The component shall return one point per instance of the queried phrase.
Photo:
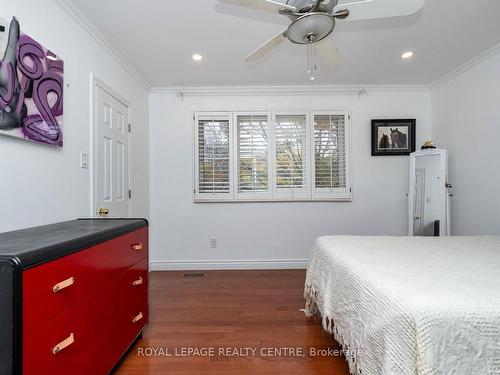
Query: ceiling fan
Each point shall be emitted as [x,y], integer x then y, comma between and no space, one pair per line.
[313,21]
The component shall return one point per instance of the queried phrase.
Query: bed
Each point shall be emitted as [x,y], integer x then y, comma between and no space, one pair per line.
[409,305]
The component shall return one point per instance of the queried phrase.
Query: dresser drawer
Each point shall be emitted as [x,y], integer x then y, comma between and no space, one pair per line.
[110,346]
[56,346]
[100,357]
[54,287]
[134,318]
[134,282]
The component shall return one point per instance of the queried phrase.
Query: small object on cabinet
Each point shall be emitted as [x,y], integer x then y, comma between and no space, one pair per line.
[428,145]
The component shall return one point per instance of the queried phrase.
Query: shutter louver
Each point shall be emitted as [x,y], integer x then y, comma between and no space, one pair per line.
[291,152]
[330,151]
[213,156]
[253,153]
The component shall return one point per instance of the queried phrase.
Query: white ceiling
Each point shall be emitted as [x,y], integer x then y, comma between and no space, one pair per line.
[158,37]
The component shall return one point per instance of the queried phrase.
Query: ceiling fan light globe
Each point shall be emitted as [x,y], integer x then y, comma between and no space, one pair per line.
[310,28]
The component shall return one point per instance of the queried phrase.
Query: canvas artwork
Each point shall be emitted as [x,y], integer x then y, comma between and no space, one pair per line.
[393,137]
[31,88]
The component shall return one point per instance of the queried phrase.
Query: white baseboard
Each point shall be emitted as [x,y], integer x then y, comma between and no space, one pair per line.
[202,265]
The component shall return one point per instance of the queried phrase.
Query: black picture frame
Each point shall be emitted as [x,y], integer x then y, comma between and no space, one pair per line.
[397,135]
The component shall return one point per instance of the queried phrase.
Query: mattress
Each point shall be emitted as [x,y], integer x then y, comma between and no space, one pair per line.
[409,305]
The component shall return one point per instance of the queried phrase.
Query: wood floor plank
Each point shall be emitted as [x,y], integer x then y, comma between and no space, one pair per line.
[258,310]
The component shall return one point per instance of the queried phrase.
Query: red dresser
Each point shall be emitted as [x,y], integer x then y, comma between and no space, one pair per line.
[80,295]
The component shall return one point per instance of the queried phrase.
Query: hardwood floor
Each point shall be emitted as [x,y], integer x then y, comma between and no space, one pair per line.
[258,310]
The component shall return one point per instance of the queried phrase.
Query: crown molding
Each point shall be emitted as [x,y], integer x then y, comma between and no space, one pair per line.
[461,69]
[70,9]
[286,90]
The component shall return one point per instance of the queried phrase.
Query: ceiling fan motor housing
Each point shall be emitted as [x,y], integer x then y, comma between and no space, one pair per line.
[306,5]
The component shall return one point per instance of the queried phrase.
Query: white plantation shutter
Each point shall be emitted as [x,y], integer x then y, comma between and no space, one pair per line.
[276,156]
[331,169]
[213,156]
[252,153]
[291,154]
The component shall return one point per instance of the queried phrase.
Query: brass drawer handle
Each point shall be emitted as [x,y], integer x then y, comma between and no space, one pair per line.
[63,284]
[137,246]
[139,281]
[63,344]
[137,318]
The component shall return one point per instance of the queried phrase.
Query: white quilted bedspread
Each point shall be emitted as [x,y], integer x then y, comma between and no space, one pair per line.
[410,305]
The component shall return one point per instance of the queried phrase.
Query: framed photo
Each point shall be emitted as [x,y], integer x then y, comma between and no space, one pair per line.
[393,137]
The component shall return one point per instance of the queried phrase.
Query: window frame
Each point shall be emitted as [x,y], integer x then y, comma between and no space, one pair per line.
[206,197]
[275,194]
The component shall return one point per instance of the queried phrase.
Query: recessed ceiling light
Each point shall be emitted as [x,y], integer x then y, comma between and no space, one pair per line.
[407,55]
[197,57]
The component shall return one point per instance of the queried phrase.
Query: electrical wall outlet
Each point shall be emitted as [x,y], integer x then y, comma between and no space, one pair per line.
[213,243]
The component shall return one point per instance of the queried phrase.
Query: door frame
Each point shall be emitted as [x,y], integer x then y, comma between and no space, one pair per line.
[95,84]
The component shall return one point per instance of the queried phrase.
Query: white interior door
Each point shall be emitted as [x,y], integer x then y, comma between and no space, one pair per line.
[111,156]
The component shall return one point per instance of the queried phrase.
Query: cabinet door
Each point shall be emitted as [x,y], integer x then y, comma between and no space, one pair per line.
[428,204]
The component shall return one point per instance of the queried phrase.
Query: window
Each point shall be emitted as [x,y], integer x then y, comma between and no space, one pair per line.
[330,155]
[291,161]
[213,156]
[253,151]
[276,156]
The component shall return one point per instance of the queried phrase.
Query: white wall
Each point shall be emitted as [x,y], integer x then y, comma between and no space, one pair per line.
[466,121]
[40,184]
[272,234]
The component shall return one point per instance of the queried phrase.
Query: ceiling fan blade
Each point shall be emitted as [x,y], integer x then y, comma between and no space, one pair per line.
[370,9]
[264,5]
[328,51]
[266,47]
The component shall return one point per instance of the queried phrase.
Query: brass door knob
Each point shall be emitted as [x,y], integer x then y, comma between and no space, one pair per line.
[103,211]
[417,217]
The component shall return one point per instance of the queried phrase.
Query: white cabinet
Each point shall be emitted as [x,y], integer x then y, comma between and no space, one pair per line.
[429,194]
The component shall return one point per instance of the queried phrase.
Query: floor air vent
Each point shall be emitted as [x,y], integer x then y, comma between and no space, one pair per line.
[193,274]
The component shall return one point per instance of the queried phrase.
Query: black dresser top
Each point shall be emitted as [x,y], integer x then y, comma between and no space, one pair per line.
[34,246]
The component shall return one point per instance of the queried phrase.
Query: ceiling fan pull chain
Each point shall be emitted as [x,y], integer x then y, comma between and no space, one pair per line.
[309,48]
[312,61]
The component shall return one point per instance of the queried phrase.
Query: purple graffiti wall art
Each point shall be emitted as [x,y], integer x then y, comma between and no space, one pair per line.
[31,88]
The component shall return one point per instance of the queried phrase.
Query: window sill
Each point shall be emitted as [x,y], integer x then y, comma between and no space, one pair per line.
[200,200]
